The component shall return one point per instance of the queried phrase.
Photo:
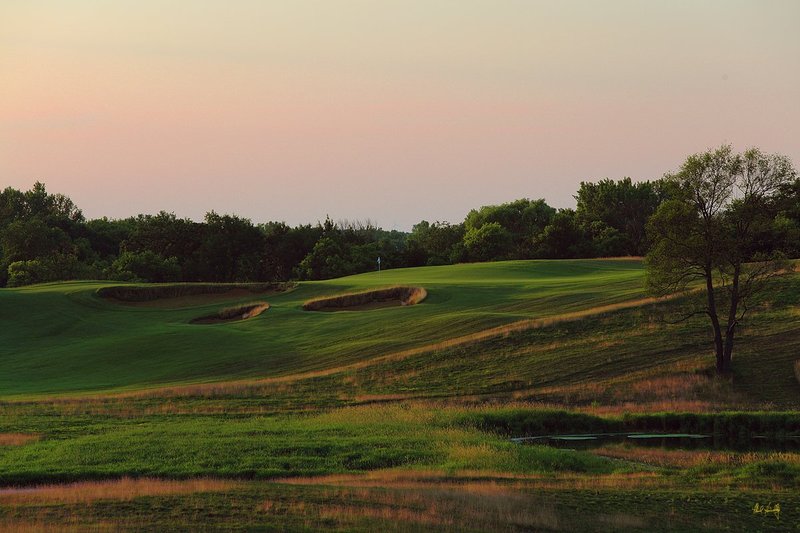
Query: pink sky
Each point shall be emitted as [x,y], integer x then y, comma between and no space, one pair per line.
[395,111]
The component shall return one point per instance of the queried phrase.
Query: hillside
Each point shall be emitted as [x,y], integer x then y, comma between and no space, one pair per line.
[64,338]
[125,414]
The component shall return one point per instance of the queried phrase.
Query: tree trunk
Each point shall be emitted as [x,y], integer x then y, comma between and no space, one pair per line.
[712,313]
[727,355]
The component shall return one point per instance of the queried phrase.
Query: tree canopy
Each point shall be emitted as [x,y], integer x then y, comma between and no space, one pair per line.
[709,234]
[45,237]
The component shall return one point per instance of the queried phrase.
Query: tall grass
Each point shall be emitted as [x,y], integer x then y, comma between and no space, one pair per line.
[125,488]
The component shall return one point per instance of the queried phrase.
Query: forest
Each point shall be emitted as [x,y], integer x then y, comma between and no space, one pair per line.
[45,237]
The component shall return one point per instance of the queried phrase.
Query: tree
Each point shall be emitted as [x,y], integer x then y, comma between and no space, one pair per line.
[231,249]
[489,242]
[328,259]
[622,205]
[169,236]
[563,238]
[437,243]
[145,266]
[521,219]
[708,234]
[285,247]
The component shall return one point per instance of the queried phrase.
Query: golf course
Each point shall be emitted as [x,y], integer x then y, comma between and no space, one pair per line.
[393,400]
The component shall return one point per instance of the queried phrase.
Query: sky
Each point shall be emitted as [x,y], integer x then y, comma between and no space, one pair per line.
[390,110]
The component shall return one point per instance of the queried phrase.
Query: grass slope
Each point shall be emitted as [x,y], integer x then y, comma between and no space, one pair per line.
[339,421]
[61,337]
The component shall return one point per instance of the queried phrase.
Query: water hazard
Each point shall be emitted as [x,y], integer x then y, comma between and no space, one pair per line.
[684,441]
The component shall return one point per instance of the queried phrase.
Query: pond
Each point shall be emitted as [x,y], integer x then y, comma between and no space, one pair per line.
[685,441]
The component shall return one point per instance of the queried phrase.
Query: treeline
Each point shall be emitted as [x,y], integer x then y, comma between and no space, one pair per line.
[45,237]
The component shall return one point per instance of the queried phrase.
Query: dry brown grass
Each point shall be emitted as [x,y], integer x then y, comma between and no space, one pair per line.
[118,489]
[681,385]
[354,300]
[675,386]
[14,525]
[482,481]
[690,458]
[18,439]
[377,398]
[448,506]
[661,406]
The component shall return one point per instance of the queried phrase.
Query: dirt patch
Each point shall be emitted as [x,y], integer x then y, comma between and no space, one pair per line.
[232,314]
[179,295]
[17,439]
[369,300]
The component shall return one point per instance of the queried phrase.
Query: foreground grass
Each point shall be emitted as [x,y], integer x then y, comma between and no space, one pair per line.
[394,467]
[342,441]
[369,438]
[470,505]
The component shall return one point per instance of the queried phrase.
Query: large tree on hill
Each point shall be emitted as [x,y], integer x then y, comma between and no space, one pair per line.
[707,234]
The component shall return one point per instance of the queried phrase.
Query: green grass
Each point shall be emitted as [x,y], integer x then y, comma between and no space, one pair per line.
[353,440]
[62,337]
[466,478]
[430,428]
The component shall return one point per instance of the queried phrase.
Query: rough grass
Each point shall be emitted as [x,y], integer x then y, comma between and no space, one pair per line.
[387,467]
[123,489]
[355,300]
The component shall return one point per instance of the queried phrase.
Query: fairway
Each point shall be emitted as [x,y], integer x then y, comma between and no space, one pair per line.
[62,337]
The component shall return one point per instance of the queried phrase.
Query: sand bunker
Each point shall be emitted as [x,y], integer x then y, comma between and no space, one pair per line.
[179,295]
[232,314]
[369,300]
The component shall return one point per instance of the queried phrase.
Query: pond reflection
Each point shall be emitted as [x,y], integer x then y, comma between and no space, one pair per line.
[684,441]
